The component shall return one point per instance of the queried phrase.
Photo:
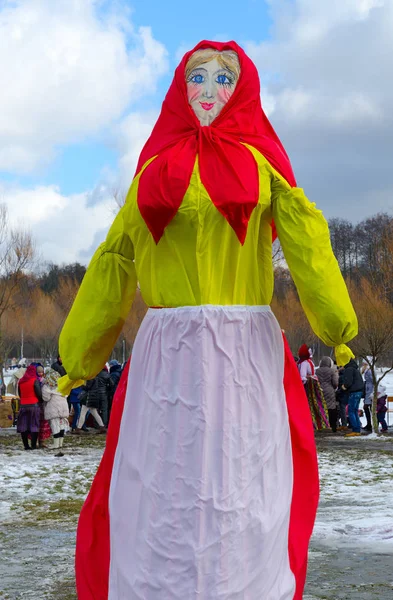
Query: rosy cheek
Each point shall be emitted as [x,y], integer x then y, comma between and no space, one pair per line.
[193,92]
[223,94]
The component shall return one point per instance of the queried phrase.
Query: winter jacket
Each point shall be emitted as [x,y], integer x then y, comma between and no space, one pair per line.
[30,392]
[341,395]
[352,378]
[59,368]
[381,403]
[115,374]
[55,403]
[368,387]
[98,390]
[74,395]
[328,379]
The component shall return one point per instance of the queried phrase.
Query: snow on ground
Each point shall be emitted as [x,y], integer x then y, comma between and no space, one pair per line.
[349,478]
[30,477]
[41,496]
[356,507]
[40,500]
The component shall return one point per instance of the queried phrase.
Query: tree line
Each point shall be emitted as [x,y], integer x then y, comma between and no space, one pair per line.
[34,301]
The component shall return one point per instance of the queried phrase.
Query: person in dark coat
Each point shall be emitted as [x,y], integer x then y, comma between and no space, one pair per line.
[58,366]
[103,390]
[381,408]
[368,395]
[342,397]
[353,384]
[97,399]
[90,400]
[328,378]
[115,371]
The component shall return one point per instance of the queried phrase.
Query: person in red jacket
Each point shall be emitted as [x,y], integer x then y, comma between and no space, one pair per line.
[29,413]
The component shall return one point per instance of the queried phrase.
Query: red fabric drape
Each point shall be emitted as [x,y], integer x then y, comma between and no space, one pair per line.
[228,169]
[93,541]
[31,373]
[305,493]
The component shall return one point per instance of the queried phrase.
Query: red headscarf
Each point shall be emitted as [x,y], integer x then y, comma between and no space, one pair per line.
[228,169]
[304,353]
[31,373]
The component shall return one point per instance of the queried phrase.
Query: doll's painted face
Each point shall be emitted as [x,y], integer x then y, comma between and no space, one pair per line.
[211,79]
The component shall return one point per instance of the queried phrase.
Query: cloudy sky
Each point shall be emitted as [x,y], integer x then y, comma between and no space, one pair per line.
[82,82]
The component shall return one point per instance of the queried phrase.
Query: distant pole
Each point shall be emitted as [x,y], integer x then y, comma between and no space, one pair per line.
[22,344]
[124,351]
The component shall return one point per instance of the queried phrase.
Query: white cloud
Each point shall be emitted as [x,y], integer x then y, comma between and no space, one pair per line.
[129,137]
[132,134]
[64,227]
[66,74]
[326,70]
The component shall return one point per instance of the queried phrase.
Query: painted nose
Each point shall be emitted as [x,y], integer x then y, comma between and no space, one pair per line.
[209,92]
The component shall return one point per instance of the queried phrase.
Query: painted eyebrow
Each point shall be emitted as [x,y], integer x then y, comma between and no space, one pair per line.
[198,69]
[225,70]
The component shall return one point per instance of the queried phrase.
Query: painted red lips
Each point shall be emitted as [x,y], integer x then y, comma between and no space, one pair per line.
[207,105]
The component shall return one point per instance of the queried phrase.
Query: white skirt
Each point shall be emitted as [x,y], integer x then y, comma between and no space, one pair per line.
[201,487]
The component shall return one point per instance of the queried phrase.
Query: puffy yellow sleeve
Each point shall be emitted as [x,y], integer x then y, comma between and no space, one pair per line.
[305,240]
[101,306]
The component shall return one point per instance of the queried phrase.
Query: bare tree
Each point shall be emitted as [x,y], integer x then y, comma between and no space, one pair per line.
[277,255]
[374,342]
[132,324]
[293,321]
[119,195]
[45,319]
[16,257]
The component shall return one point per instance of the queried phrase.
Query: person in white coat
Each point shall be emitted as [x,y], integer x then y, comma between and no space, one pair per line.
[12,387]
[56,409]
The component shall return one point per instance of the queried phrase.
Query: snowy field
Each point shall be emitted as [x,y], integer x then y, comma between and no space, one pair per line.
[41,497]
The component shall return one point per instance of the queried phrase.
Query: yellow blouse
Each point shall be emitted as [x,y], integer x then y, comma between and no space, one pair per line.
[199,260]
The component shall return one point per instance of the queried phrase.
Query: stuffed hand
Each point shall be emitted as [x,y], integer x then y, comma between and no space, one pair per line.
[65,384]
[343,355]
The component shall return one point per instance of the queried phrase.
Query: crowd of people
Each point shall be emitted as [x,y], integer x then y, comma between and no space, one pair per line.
[334,394]
[45,412]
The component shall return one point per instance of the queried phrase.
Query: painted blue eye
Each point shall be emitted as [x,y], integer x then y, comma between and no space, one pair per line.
[223,80]
[197,79]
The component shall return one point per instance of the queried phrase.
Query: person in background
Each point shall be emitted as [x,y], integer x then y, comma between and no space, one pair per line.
[56,409]
[353,384]
[313,389]
[368,394]
[29,412]
[58,366]
[12,387]
[342,397]
[381,408]
[90,400]
[76,404]
[305,364]
[45,430]
[103,391]
[328,378]
[115,371]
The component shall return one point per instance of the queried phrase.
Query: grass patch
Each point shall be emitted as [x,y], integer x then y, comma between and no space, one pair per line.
[40,512]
